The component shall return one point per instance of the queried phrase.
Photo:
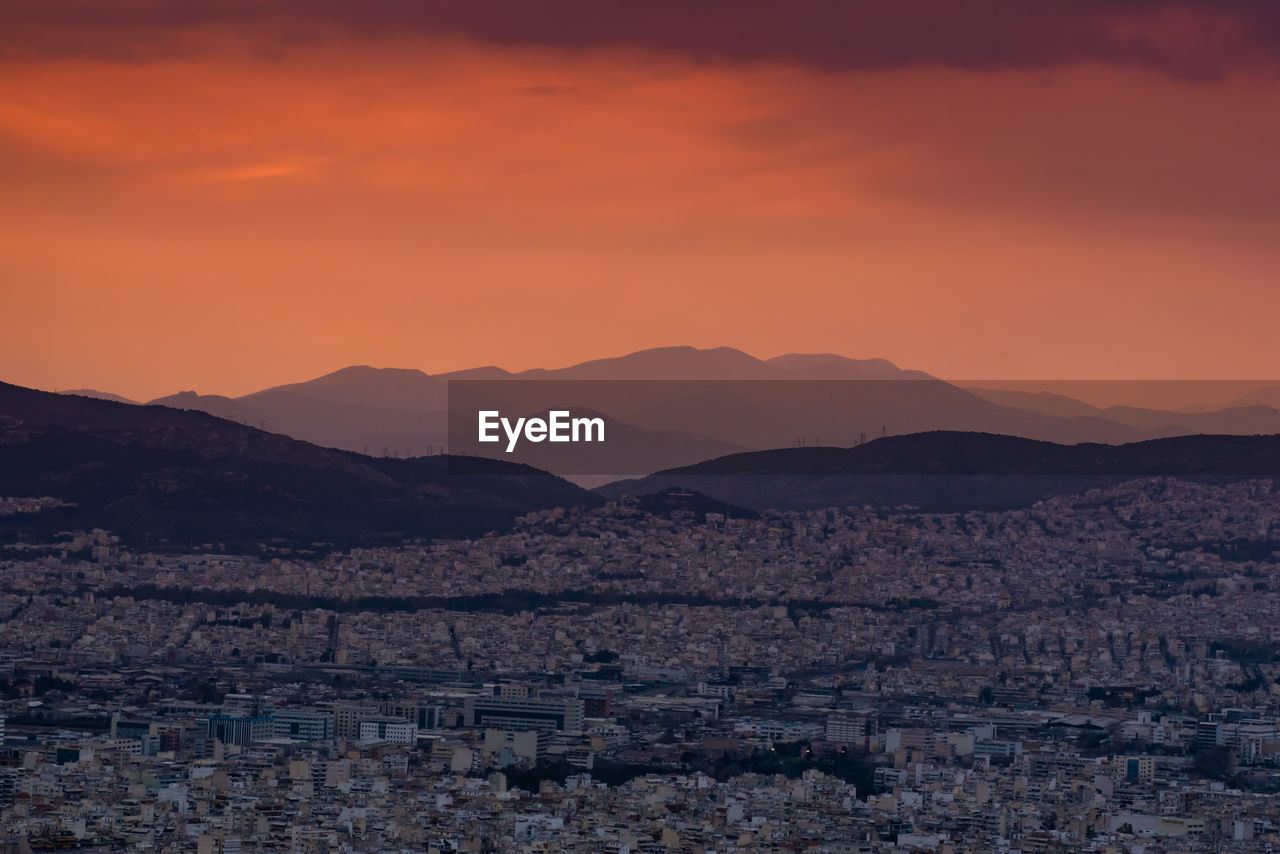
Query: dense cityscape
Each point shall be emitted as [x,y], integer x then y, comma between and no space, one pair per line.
[1097,672]
[703,427]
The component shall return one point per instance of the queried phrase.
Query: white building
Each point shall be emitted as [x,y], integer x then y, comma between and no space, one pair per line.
[394,730]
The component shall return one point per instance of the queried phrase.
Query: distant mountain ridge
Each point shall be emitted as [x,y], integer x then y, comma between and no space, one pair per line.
[402,412]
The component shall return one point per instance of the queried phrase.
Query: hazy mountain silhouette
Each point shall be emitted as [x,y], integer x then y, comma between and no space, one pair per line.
[843,413]
[368,409]
[214,404]
[1043,402]
[1253,414]
[1268,395]
[168,478]
[829,366]
[403,412]
[722,363]
[361,385]
[1233,420]
[949,470]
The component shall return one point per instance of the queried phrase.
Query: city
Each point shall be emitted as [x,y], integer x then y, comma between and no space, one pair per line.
[639,427]
[1094,673]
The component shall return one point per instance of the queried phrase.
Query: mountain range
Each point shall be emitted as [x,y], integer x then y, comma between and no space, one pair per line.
[767,403]
[179,480]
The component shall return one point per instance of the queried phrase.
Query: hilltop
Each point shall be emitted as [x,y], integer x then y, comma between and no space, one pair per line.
[168,478]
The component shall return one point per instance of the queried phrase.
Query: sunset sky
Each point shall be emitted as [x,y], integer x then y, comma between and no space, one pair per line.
[225,196]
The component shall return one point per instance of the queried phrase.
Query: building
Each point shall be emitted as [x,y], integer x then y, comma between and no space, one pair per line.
[910,739]
[846,730]
[217,843]
[722,690]
[424,715]
[8,783]
[1134,768]
[548,714]
[383,728]
[597,700]
[240,731]
[1209,734]
[347,718]
[781,730]
[303,724]
[189,710]
[996,748]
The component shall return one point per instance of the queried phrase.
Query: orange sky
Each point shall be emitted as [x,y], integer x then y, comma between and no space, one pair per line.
[228,211]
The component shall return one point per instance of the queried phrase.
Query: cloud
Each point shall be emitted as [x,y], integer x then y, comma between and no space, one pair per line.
[548,89]
[1183,39]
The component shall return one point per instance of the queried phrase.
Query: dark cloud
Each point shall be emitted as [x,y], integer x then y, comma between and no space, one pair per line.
[1199,40]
